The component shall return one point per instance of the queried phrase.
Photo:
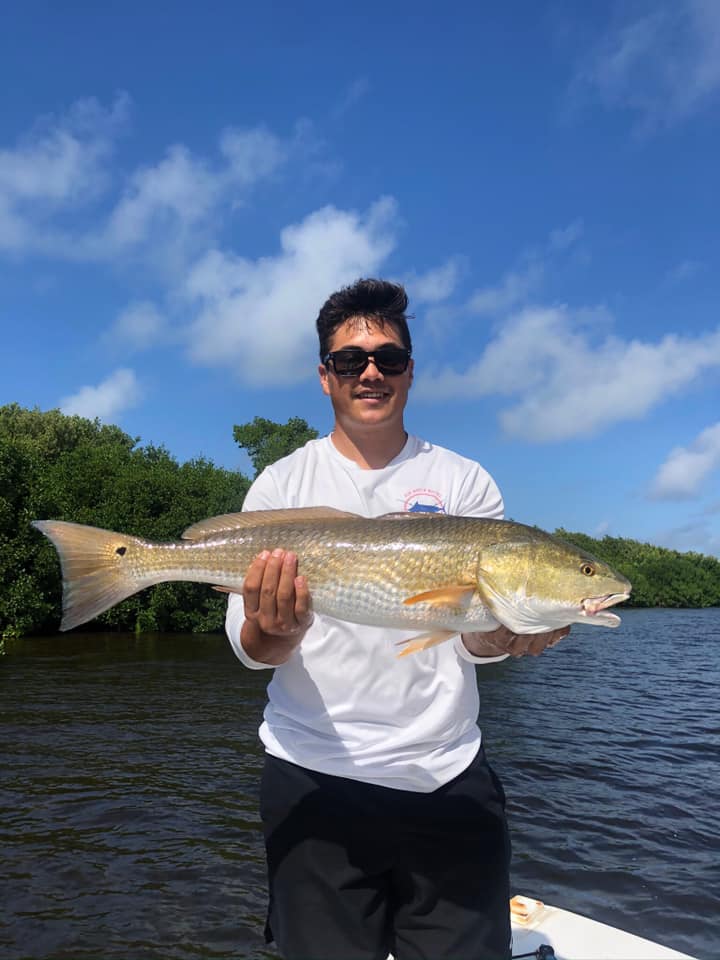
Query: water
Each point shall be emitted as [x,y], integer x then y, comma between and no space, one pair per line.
[128,799]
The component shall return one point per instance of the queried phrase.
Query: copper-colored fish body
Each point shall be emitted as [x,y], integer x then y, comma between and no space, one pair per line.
[413,571]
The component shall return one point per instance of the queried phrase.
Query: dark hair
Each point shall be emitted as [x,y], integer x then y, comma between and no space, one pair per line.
[377,300]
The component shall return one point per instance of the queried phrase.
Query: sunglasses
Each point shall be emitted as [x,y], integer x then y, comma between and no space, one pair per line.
[390,361]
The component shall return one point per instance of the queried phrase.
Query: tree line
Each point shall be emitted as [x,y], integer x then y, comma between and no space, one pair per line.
[70,468]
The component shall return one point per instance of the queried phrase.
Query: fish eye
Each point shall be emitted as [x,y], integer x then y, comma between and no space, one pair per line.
[588,569]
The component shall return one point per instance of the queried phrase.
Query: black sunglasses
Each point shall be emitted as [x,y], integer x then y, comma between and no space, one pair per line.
[390,361]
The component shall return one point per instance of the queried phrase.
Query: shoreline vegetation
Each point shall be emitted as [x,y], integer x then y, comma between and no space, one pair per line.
[70,468]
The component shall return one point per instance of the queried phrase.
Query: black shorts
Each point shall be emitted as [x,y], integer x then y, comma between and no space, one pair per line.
[357,871]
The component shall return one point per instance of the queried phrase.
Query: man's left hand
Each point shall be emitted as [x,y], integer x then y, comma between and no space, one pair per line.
[495,643]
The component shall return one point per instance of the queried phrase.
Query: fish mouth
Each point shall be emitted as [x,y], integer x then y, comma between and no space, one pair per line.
[595,608]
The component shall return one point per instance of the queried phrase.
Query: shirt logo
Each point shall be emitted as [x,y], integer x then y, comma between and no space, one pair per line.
[423,500]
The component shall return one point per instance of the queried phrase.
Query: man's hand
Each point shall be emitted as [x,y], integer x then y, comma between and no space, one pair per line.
[495,643]
[277,607]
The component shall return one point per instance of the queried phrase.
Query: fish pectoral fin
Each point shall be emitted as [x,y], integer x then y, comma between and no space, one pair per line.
[425,641]
[256,518]
[451,596]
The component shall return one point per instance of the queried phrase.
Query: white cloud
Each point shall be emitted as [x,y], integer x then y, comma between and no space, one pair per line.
[164,210]
[686,469]
[60,164]
[434,285]
[139,325]
[567,380]
[519,283]
[180,190]
[664,65]
[183,191]
[252,154]
[117,393]
[515,286]
[257,316]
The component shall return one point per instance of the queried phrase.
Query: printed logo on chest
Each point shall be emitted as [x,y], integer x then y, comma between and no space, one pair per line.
[423,500]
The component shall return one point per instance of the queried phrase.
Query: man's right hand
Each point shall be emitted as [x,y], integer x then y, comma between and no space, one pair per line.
[278,607]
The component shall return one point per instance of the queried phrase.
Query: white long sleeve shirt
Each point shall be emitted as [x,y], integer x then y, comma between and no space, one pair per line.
[344,704]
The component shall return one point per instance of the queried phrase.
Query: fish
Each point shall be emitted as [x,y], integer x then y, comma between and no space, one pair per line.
[436,574]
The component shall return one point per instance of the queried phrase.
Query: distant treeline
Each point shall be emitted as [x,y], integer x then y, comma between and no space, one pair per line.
[68,468]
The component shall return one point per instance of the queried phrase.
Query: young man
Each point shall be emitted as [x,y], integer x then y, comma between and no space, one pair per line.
[384,824]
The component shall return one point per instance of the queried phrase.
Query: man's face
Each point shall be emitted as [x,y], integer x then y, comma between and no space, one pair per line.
[371,397]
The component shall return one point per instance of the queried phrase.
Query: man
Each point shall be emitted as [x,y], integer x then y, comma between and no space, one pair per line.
[384,824]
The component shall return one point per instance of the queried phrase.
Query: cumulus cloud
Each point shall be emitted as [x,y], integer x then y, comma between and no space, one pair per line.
[59,165]
[686,469]
[180,188]
[182,192]
[568,381]
[138,326]
[257,315]
[515,286]
[254,154]
[165,209]
[663,65]
[107,400]
[434,285]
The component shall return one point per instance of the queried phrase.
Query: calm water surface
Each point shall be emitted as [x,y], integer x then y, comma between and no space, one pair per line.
[129,780]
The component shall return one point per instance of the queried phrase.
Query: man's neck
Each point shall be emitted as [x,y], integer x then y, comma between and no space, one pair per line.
[370,450]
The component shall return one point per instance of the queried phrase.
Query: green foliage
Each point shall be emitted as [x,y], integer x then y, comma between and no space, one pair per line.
[267,441]
[69,468]
[660,577]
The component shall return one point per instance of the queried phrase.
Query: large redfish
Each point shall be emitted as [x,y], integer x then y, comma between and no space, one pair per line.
[438,574]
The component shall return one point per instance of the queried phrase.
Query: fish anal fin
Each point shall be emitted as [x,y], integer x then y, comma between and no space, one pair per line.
[425,641]
[227,522]
[451,596]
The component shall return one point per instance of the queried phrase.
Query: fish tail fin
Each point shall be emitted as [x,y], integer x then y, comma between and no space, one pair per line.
[95,569]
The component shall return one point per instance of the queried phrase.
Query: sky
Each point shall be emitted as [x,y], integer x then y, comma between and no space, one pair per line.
[182,185]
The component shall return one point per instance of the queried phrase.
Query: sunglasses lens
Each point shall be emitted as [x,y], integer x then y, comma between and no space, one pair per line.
[389,360]
[349,363]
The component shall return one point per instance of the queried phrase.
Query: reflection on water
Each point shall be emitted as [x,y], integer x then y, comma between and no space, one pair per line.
[130,767]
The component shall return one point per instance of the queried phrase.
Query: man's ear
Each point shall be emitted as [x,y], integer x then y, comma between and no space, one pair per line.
[323,374]
[411,371]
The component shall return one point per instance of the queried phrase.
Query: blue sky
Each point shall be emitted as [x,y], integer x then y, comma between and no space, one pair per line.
[183,184]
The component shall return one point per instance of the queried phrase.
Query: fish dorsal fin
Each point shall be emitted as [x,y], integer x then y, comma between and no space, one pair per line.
[256,518]
[456,595]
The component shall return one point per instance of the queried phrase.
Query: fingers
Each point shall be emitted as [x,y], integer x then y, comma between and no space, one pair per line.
[274,596]
[533,644]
